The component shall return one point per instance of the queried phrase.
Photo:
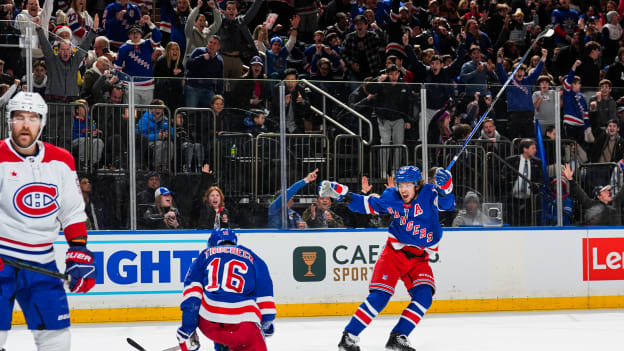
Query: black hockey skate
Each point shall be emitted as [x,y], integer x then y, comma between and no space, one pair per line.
[348,342]
[398,342]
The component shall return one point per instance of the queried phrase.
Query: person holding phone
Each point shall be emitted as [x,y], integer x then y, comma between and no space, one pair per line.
[162,214]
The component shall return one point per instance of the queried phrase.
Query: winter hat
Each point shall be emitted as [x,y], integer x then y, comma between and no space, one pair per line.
[600,188]
[610,15]
[518,12]
[471,196]
[278,39]
[256,60]
[61,29]
[134,27]
[396,49]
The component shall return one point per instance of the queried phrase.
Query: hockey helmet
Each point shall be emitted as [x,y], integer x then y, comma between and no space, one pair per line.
[407,174]
[31,102]
[222,235]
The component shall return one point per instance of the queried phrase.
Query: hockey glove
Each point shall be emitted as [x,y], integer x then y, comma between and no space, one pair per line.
[444,181]
[332,189]
[80,267]
[267,328]
[188,342]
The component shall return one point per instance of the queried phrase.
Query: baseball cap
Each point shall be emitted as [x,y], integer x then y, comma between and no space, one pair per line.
[256,60]
[600,188]
[518,12]
[135,27]
[162,191]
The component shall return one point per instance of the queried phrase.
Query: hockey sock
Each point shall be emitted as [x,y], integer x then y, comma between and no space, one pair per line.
[422,297]
[368,310]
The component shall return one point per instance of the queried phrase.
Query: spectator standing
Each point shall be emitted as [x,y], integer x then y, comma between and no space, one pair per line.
[169,73]
[608,147]
[162,214]
[79,21]
[277,54]
[520,106]
[10,56]
[360,52]
[206,67]
[195,30]
[118,17]
[188,144]
[253,91]
[154,125]
[605,105]
[575,114]
[567,55]
[565,21]
[297,104]
[474,36]
[236,38]
[392,97]
[601,210]
[135,59]
[492,138]
[32,13]
[612,37]
[521,188]
[615,74]
[320,215]
[173,22]
[544,102]
[294,219]
[475,73]
[589,70]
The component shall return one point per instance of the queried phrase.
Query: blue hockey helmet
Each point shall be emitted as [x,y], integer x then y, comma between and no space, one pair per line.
[407,174]
[222,235]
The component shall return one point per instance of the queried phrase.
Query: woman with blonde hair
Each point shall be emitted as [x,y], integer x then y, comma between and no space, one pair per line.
[169,74]
[162,214]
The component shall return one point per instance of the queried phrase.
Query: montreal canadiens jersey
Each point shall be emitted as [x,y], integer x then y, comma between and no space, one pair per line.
[39,195]
[415,224]
[233,285]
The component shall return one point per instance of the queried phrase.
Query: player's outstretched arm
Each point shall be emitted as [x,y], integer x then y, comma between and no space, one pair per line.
[356,202]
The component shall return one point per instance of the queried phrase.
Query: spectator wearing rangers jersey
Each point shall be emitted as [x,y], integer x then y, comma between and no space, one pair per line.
[40,195]
[565,21]
[135,58]
[228,295]
[117,19]
[575,113]
[79,21]
[173,21]
[414,233]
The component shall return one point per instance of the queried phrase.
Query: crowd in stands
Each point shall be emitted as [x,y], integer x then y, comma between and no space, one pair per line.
[230,56]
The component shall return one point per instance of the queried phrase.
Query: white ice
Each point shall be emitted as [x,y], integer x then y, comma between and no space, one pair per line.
[523,331]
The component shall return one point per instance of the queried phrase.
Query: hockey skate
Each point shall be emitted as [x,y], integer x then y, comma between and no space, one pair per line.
[348,342]
[398,342]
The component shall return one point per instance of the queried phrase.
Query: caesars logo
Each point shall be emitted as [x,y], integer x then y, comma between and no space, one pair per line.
[309,264]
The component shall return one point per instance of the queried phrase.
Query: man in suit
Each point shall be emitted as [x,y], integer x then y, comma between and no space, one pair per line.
[521,179]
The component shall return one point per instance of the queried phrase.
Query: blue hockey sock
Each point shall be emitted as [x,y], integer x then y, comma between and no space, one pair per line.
[368,310]
[422,297]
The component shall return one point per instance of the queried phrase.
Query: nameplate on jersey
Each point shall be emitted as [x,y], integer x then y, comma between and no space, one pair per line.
[36,200]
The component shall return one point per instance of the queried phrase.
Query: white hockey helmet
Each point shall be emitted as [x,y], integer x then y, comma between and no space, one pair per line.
[31,102]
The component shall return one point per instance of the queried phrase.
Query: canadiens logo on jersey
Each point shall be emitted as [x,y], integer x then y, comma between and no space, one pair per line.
[36,200]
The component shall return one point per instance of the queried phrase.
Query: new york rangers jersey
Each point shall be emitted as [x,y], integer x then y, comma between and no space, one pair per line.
[415,224]
[136,60]
[228,284]
[575,112]
[116,30]
[39,195]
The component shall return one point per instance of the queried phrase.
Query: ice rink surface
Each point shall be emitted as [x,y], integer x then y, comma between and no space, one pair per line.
[522,331]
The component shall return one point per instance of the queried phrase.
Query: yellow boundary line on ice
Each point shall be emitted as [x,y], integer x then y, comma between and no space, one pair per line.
[112,315]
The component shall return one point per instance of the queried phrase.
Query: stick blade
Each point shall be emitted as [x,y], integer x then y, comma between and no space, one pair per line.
[135,344]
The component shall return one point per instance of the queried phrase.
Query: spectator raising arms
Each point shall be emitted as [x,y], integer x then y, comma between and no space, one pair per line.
[294,218]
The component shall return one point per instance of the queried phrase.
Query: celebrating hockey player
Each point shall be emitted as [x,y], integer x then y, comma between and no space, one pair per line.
[414,233]
[228,294]
[40,195]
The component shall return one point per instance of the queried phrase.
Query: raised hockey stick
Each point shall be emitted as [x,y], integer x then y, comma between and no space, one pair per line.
[17,264]
[548,32]
[141,348]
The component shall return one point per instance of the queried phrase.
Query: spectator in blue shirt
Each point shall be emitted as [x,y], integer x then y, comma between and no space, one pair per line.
[155,126]
[294,218]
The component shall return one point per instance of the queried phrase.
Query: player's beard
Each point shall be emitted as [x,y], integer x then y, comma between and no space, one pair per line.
[25,137]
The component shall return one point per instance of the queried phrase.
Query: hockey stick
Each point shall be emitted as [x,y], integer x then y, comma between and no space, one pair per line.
[548,32]
[17,264]
[141,348]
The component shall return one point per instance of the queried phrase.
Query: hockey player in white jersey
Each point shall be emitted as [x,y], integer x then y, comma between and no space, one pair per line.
[39,195]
